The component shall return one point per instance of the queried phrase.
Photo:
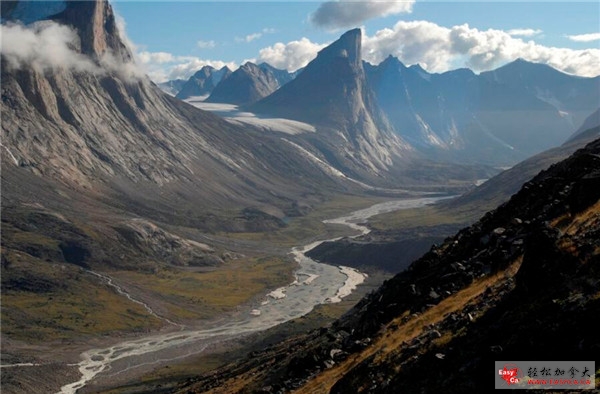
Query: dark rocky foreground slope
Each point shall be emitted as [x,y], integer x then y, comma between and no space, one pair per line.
[520,284]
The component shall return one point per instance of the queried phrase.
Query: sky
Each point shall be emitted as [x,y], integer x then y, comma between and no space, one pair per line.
[173,39]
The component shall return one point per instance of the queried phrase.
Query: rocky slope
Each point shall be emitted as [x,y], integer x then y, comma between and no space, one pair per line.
[106,125]
[203,82]
[525,275]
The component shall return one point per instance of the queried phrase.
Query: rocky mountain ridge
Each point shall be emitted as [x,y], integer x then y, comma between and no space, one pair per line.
[203,82]
[248,84]
[507,114]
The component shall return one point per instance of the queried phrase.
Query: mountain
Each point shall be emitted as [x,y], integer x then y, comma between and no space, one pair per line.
[249,83]
[172,87]
[332,94]
[592,121]
[101,170]
[498,189]
[426,110]
[521,277]
[393,248]
[108,180]
[498,117]
[203,82]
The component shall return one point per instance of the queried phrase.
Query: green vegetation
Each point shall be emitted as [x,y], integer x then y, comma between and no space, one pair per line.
[427,216]
[305,228]
[44,301]
[201,295]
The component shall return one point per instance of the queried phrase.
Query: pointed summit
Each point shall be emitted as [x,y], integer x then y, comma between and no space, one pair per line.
[329,89]
[332,93]
[96,26]
[348,46]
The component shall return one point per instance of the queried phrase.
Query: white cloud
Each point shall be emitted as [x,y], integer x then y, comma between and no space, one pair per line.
[524,32]
[439,49]
[164,66]
[351,13]
[48,45]
[43,45]
[145,57]
[206,44]
[255,36]
[585,37]
[251,37]
[290,56]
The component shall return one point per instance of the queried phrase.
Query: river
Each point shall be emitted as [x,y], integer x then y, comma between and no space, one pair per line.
[314,284]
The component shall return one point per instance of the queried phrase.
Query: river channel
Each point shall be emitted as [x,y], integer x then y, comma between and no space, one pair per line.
[315,283]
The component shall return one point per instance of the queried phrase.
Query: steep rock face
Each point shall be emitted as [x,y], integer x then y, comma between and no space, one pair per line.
[97,29]
[523,276]
[332,93]
[203,82]
[497,117]
[109,124]
[248,84]
[427,113]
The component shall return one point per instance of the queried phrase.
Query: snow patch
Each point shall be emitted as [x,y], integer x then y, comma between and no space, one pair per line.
[232,114]
[14,159]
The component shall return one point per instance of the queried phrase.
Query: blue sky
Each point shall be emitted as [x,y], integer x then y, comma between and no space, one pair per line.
[175,38]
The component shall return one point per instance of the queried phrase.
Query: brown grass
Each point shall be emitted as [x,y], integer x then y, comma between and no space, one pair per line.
[393,338]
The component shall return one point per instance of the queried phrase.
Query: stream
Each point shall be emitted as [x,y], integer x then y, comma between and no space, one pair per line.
[315,283]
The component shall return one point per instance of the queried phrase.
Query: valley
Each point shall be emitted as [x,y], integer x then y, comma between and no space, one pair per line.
[314,284]
[324,216]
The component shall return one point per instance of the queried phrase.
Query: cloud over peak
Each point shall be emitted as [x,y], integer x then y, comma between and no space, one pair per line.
[43,45]
[350,13]
[290,56]
[440,49]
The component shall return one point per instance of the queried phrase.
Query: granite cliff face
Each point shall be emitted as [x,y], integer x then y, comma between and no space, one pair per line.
[332,93]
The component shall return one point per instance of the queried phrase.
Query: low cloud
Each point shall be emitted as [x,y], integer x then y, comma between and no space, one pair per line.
[47,45]
[43,45]
[350,13]
[290,56]
[585,37]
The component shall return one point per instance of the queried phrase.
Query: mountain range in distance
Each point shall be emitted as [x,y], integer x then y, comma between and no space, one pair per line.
[497,117]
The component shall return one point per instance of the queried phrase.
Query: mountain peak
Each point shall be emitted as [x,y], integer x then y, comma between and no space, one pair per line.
[95,23]
[348,46]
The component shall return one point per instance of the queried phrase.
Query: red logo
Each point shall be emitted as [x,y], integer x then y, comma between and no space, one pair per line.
[511,374]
